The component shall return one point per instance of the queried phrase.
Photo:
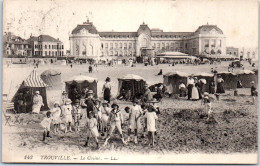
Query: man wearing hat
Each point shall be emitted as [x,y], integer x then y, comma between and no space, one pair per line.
[67,113]
[37,103]
[116,119]
[76,114]
[147,94]
[90,102]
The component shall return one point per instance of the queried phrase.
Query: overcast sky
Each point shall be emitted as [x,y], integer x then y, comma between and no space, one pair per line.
[237,18]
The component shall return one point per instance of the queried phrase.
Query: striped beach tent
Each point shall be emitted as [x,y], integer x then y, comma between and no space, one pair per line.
[29,86]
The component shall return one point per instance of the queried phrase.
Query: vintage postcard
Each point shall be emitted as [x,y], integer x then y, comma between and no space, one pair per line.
[120,81]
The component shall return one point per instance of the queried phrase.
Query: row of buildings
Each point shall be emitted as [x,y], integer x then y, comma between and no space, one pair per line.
[87,42]
[43,45]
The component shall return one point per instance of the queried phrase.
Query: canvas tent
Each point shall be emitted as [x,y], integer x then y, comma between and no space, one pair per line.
[172,81]
[34,83]
[209,77]
[133,82]
[230,80]
[52,78]
[80,82]
[246,76]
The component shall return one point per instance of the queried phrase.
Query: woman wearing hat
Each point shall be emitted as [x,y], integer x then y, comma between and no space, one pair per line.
[107,90]
[37,103]
[56,113]
[220,87]
[116,120]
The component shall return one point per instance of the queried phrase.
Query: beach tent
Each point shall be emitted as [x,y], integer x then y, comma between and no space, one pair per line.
[80,82]
[52,78]
[209,77]
[34,83]
[133,82]
[63,62]
[246,76]
[230,79]
[172,81]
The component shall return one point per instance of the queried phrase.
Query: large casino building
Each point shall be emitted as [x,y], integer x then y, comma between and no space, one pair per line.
[87,42]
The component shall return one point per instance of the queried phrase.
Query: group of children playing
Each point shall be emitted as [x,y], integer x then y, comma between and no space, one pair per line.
[103,120]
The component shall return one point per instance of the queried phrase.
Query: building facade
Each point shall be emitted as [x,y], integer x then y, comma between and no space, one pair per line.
[232,51]
[86,41]
[15,46]
[248,53]
[45,45]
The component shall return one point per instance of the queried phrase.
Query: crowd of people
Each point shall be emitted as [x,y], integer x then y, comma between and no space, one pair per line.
[101,118]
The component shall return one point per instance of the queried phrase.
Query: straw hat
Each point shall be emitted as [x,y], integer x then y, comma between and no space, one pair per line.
[205,93]
[77,101]
[252,82]
[56,102]
[37,92]
[68,101]
[90,92]
[115,104]
[153,101]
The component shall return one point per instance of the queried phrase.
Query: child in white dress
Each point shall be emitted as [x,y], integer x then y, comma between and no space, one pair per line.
[151,118]
[46,124]
[92,130]
[56,113]
[67,114]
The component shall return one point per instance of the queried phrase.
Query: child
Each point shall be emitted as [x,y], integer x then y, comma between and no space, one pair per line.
[116,120]
[135,114]
[56,113]
[104,117]
[67,113]
[77,114]
[207,103]
[92,130]
[46,124]
[98,112]
[151,118]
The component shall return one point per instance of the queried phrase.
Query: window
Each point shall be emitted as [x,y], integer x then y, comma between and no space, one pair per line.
[45,46]
[111,45]
[49,46]
[62,53]
[49,53]
[62,46]
[102,45]
[35,46]
[52,53]
[46,52]
[120,45]
[163,45]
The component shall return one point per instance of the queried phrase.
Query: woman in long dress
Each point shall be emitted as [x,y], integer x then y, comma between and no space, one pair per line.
[220,87]
[37,103]
[107,90]
[195,92]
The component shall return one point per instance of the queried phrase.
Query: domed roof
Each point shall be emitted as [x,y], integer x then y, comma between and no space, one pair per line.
[207,29]
[86,25]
